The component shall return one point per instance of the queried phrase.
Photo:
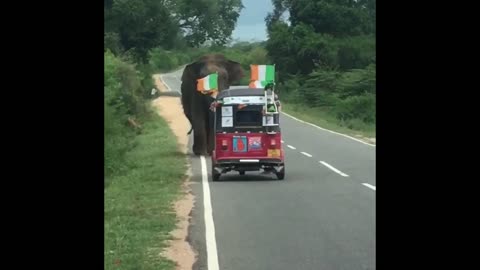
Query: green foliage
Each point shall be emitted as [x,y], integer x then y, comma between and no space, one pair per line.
[361,107]
[123,98]
[111,41]
[356,52]
[326,56]
[339,18]
[206,20]
[357,82]
[281,49]
[116,141]
[139,25]
[319,88]
[257,55]
[138,203]
[163,61]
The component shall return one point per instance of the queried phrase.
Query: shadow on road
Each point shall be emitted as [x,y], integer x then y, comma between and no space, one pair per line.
[232,176]
[169,94]
[252,177]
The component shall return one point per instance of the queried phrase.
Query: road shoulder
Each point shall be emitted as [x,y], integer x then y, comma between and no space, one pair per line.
[170,109]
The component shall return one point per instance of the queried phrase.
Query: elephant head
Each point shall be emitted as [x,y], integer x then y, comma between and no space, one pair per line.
[228,71]
[196,105]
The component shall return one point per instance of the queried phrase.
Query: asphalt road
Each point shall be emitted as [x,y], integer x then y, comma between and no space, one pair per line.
[322,216]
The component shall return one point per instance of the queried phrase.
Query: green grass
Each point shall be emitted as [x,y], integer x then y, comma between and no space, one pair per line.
[138,204]
[321,117]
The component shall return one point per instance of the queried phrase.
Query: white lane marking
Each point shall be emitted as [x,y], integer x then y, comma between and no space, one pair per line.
[369,186]
[212,256]
[333,169]
[165,83]
[306,154]
[291,147]
[163,80]
[331,131]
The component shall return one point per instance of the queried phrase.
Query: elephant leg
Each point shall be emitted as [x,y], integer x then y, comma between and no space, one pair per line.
[199,121]
[210,133]
[199,139]
[187,103]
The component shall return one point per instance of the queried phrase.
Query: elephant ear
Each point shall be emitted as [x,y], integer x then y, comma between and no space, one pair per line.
[235,71]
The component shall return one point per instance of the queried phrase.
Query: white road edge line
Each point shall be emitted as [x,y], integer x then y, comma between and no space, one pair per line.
[291,147]
[163,80]
[211,242]
[369,186]
[306,154]
[331,131]
[333,169]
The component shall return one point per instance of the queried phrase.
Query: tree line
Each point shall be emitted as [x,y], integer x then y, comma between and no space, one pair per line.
[325,56]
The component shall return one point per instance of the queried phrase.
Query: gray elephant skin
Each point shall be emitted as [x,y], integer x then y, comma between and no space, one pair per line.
[196,105]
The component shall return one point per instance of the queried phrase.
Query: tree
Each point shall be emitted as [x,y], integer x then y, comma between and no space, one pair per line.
[206,20]
[140,25]
[279,8]
[338,18]
[335,17]
[324,34]
[325,56]
[137,26]
[281,48]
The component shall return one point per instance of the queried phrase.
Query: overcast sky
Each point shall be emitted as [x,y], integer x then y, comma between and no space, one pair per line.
[251,23]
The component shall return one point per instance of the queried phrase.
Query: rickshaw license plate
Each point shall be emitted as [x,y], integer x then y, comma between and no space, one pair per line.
[240,144]
[273,152]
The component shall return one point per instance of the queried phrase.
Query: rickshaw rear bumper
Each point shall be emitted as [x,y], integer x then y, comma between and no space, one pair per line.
[245,164]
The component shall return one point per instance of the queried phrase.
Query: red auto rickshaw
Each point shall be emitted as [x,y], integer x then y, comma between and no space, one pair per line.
[247,132]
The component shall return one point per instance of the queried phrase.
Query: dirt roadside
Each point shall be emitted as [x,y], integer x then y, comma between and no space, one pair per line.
[170,108]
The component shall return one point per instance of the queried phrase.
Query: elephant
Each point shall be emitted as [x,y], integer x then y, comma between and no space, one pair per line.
[196,106]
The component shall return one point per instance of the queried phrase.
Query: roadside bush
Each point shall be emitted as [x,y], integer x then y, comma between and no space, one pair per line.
[162,61]
[356,52]
[360,107]
[116,141]
[319,89]
[123,99]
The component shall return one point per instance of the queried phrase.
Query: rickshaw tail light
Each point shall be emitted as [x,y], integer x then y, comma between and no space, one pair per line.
[273,142]
[224,144]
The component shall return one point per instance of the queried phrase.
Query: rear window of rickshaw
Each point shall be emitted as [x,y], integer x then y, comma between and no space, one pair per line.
[248,118]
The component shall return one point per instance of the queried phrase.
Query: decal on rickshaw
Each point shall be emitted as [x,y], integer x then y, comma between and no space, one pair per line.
[268,120]
[227,111]
[227,121]
[240,144]
[255,143]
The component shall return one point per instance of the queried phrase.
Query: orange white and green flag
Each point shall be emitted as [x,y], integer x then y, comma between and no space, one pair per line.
[261,75]
[208,83]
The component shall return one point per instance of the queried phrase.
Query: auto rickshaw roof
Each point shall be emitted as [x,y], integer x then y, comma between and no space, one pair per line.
[238,91]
